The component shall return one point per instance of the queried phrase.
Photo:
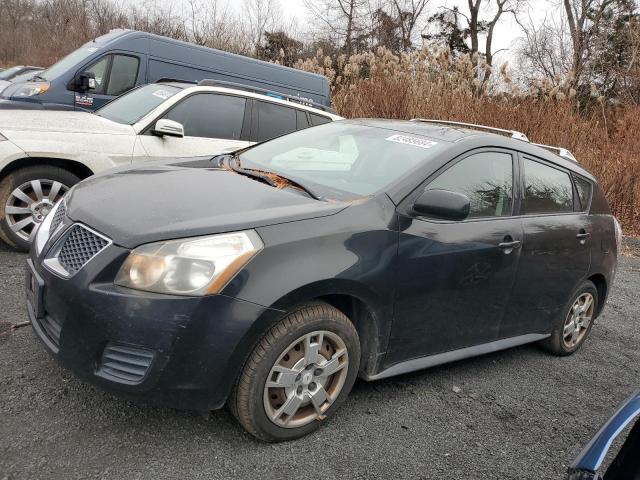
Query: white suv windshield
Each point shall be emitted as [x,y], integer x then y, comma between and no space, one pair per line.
[343,156]
[130,108]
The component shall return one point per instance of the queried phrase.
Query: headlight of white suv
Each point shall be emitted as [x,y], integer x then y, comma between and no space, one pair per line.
[191,266]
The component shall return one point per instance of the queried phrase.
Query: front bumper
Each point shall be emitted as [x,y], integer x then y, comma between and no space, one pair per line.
[182,352]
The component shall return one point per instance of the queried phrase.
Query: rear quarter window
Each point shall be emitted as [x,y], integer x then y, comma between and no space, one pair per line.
[319,119]
[584,190]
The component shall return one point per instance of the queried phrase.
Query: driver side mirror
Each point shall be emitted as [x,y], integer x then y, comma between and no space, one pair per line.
[168,127]
[443,205]
[85,81]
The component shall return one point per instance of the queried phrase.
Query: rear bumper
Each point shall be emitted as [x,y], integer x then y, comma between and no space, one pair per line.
[182,352]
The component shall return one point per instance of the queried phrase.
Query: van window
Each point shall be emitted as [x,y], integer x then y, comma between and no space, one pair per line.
[99,70]
[547,189]
[274,120]
[319,119]
[210,115]
[124,71]
[486,178]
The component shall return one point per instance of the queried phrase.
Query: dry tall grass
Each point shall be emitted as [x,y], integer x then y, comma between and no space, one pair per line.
[431,84]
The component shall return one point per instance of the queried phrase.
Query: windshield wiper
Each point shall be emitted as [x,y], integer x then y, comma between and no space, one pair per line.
[276,180]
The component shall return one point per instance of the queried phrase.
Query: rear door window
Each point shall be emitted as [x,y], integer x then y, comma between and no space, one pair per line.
[486,178]
[547,189]
[210,116]
[274,120]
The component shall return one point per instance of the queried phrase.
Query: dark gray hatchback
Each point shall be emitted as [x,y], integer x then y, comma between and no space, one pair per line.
[270,279]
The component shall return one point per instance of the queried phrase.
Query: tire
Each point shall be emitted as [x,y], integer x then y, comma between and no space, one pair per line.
[47,177]
[565,338]
[311,326]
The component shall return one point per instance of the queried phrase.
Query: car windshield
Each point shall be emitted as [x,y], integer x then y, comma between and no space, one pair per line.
[130,108]
[9,72]
[343,156]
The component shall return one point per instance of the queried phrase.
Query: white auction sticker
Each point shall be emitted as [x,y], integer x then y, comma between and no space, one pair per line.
[163,94]
[415,141]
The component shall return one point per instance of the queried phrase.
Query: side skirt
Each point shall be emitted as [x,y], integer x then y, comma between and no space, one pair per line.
[455,355]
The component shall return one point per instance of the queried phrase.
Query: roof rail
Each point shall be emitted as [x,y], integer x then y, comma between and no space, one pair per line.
[176,80]
[512,133]
[262,91]
[562,152]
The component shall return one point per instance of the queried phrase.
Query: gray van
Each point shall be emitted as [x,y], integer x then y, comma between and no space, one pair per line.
[114,63]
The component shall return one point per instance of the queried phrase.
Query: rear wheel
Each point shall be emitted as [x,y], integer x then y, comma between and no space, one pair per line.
[298,375]
[574,327]
[26,196]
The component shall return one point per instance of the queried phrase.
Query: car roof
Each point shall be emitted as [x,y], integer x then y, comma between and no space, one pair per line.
[247,93]
[473,139]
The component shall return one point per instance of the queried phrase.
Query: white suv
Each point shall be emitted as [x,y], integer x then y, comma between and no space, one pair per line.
[44,153]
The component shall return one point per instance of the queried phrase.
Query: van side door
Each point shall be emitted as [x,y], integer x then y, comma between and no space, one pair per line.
[115,74]
[213,124]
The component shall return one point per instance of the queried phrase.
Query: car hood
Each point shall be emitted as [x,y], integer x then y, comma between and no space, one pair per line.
[58,121]
[161,202]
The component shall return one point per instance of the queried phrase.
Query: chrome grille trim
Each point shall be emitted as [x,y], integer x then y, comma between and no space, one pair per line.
[77,246]
[61,212]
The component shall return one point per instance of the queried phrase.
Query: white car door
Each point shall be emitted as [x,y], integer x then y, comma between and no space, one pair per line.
[213,124]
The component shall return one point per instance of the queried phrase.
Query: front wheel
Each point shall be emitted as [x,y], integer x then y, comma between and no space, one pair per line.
[298,375]
[26,196]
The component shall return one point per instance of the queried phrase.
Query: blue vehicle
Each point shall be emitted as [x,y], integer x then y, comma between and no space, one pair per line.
[626,465]
[114,63]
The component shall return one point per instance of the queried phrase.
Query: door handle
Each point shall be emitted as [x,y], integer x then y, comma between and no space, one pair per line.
[582,236]
[509,244]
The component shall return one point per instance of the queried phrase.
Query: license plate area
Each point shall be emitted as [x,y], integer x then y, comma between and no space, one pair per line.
[34,286]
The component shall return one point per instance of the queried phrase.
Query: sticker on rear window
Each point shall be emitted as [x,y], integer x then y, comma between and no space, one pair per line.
[415,141]
[163,94]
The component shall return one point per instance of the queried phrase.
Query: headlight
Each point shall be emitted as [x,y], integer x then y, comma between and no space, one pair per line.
[190,266]
[31,89]
[44,230]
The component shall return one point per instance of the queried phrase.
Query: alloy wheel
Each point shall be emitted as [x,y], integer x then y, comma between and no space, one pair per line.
[578,320]
[306,379]
[29,204]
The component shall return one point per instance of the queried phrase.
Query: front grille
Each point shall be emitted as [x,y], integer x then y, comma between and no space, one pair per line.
[125,364]
[51,328]
[58,217]
[79,246]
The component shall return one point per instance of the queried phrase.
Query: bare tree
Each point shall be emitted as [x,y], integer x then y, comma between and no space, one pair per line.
[341,18]
[262,16]
[583,18]
[408,13]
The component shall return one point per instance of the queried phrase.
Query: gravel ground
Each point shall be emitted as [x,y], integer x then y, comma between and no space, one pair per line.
[516,414]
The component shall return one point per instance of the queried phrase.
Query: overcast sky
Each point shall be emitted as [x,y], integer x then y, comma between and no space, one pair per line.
[506,34]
